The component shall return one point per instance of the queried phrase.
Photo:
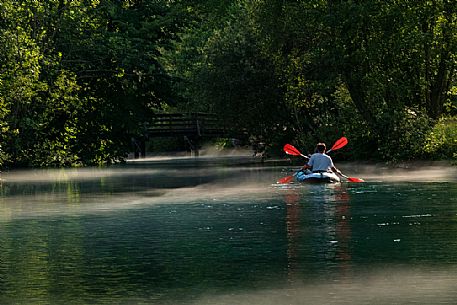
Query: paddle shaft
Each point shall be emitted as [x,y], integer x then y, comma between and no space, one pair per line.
[351,179]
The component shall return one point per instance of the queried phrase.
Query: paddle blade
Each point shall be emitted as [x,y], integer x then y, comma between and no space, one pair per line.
[291,150]
[353,179]
[340,143]
[285,179]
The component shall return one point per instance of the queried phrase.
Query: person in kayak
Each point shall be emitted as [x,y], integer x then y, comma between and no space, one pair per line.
[320,162]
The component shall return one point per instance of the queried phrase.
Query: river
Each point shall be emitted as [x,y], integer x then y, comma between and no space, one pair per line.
[220,231]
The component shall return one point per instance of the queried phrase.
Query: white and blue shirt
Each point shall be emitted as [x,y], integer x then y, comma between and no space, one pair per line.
[320,162]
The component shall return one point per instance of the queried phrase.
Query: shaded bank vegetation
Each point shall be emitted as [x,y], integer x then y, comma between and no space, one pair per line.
[79,78]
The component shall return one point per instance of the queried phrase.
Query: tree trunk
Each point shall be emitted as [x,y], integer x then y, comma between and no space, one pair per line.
[439,87]
[356,92]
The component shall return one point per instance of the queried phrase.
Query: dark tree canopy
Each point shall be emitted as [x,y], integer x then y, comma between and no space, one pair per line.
[78,79]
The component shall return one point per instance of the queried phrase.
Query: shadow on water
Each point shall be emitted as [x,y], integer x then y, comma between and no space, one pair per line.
[220,231]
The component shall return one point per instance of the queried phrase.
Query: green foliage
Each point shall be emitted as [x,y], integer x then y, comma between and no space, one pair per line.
[48,137]
[441,141]
[79,78]
[393,59]
[404,137]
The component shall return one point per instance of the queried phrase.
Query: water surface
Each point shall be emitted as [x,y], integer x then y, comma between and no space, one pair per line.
[216,231]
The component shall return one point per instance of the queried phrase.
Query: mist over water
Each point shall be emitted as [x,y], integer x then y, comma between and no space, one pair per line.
[408,172]
[385,287]
[173,180]
[220,230]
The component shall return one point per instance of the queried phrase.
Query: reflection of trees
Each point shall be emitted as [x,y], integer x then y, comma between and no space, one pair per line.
[39,262]
[158,253]
[293,230]
[330,238]
[42,257]
[343,228]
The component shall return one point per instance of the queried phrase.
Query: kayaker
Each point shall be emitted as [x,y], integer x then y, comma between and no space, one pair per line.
[320,162]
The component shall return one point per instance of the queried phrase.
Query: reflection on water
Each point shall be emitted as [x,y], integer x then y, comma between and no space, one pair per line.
[212,233]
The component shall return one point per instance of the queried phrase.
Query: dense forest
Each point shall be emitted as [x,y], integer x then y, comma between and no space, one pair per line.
[78,78]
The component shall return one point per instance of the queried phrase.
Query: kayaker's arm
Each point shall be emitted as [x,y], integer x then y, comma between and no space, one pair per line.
[337,171]
[306,166]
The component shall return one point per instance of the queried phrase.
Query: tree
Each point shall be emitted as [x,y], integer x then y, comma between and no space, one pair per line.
[394,58]
[78,78]
[230,75]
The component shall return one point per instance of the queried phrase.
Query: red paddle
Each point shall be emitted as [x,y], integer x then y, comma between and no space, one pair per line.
[285,180]
[352,179]
[291,150]
[338,144]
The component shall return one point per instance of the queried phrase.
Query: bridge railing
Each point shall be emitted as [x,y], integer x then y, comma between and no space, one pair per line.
[195,127]
[187,124]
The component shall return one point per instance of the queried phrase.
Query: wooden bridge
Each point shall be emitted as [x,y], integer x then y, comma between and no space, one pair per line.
[187,124]
[194,127]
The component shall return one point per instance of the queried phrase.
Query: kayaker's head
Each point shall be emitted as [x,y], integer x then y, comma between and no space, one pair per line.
[320,148]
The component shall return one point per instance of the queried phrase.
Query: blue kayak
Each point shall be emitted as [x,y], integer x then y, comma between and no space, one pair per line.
[324,177]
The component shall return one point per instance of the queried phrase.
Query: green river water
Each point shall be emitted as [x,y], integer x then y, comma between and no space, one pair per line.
[214,231]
